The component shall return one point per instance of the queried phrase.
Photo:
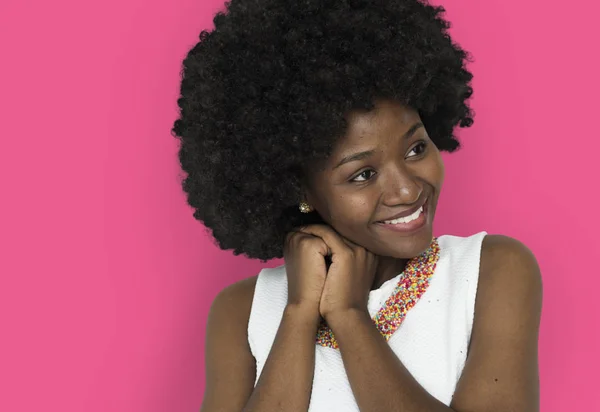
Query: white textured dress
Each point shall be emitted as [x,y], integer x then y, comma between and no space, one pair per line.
[431,341]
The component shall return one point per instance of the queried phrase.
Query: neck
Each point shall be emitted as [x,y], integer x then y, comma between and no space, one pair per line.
[387,268]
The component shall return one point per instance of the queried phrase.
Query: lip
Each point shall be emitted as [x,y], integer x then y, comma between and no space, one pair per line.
[407,212]
[410,227]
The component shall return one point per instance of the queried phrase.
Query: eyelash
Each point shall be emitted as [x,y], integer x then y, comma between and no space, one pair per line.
[353,180]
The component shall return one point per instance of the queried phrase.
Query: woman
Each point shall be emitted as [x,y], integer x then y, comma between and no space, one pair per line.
[311,130]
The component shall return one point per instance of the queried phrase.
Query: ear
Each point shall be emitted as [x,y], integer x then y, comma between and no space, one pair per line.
[307,190]
[304,191]
[305,195]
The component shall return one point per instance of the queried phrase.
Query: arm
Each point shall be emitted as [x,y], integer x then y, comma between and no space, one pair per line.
[501,372]
[231,368]
[285,383]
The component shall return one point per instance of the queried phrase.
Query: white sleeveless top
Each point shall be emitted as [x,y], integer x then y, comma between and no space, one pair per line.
[431,341]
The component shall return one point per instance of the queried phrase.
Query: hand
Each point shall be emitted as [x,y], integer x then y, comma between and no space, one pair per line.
[350,276]
[304,256]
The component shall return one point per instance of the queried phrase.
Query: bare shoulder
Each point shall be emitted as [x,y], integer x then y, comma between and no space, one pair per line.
[501,371]
[230,366]
[509,295]
[235,301]
[507,264]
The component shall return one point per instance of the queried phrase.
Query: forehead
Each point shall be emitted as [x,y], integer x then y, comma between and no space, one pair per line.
[369,130]
[387,120]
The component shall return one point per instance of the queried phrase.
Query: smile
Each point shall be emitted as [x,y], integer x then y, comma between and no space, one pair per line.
[410,223]
[406,219]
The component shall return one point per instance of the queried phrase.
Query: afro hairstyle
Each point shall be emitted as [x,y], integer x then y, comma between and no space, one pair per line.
[267,91]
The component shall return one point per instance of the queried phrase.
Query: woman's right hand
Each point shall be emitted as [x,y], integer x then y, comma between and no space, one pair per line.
[306,269]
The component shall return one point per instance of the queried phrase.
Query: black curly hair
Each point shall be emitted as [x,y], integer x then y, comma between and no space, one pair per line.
[266,92]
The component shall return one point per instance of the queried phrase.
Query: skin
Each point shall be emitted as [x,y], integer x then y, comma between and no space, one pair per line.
[501,372]
[353,196]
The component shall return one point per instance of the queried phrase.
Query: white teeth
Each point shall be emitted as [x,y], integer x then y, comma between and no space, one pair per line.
[405,219]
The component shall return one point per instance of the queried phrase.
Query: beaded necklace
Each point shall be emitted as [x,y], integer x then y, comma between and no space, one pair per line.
[413,282]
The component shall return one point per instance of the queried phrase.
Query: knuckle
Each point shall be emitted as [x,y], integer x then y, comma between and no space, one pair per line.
[304,242]
[349,253]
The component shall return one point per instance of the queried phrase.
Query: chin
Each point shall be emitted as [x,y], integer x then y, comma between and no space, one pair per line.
[403,246]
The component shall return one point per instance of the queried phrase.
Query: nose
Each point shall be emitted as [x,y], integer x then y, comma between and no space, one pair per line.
[400,187]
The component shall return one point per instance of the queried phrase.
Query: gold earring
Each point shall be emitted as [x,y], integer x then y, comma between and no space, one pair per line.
[305,207]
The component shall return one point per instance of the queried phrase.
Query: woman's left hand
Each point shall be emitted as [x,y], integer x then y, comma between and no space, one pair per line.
[350,276]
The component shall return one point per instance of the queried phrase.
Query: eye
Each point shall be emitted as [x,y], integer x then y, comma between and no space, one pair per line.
[365,175]
[422,145]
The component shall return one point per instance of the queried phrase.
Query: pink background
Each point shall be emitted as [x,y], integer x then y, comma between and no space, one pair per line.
[106,279]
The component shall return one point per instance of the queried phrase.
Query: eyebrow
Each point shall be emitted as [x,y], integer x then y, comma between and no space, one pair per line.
[363,155]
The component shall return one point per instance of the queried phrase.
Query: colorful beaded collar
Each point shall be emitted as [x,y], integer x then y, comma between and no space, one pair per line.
[412,284]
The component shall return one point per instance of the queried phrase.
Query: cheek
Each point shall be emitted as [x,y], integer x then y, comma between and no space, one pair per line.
[435,170]
[439,174]
[352,209]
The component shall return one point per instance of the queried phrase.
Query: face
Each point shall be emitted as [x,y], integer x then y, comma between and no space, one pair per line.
[383,166]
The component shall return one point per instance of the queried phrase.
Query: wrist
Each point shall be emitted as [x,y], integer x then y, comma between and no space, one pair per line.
[346,317]
[303,312]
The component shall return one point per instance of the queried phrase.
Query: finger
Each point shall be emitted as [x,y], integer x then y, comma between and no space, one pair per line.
[355,246]
[301,237]
[329,236]
[347,241]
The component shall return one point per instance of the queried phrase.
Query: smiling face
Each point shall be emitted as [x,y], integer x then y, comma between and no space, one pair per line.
[384,165]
